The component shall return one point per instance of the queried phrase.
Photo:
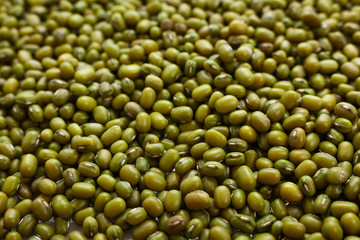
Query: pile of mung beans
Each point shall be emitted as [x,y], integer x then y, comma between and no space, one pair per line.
[179,119]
